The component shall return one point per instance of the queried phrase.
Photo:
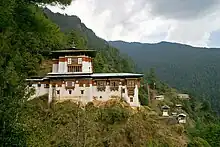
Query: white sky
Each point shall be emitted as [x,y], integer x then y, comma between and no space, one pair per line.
[184,21]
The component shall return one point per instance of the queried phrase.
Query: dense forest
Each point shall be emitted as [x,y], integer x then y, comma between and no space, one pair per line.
[190,69]
[27,35]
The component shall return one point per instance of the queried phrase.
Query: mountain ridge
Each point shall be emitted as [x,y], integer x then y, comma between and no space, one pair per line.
[190,69]
[161,42]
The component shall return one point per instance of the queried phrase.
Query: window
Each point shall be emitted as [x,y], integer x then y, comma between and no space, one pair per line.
[58,91]
[101,85]
[100,97]
[79,60]
[131,83]
[114,85]
[74,69]
[46,85]
[131,99]
[69,61]
[123,90]
[70,91]
[38,85]
[82,91]
[69,84]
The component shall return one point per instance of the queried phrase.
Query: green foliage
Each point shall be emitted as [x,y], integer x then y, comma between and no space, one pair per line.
[108,58]
[113,115]
[25,35]
[198,142]
[67,124]
[76,39]
[211,133]
[190,69]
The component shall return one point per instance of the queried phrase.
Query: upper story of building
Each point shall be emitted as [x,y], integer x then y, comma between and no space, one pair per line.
[72,61]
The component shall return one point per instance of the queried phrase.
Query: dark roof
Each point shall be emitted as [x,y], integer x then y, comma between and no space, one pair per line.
[165,107]
[94,75]
[74,51]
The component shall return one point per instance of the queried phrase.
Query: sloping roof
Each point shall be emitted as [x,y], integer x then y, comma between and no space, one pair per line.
[165,107]
[94,75]
[182,114]
[74,51]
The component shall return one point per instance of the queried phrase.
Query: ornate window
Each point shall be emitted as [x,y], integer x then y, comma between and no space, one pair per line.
[69,61]
[131,99]
[70,84]
[46,85]
[114,85]
[74,69]
[101,85]
[130,83]
[79,60]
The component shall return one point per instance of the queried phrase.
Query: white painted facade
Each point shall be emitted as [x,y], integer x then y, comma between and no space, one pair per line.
[88,94]
[66,67]
[183,96]
[61,65]
[159,97]
[40,90]
[165,110]
[165,113]
[86,67]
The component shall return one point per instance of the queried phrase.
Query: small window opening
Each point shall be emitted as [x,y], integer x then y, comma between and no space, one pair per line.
[123,90]
[58,92]
[82,91]
[46,85]
[70,91]
[38,85]
[131,99]
[100,97]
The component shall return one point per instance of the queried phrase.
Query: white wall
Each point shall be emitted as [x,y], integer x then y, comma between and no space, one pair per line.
[61,67]
[165,113]
[39,91]
[86,67]
[88,95]
[55,68]
[75,94]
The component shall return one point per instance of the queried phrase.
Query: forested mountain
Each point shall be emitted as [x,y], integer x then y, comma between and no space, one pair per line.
[108,59]
[26,38]
[188,68]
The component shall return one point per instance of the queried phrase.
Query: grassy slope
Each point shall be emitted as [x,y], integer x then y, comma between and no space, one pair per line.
[111,125]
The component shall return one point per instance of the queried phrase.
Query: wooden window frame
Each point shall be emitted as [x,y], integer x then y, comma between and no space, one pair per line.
[80,60]
[46,86]
[131,99]
[69,60]
[131,83]
[101,85]
[73,68]
[114,85]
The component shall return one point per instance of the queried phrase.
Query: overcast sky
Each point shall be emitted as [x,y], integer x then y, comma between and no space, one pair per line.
[194,22]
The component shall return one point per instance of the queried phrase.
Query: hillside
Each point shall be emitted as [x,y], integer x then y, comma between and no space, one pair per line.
[26,38]
[110,125]
[191,69]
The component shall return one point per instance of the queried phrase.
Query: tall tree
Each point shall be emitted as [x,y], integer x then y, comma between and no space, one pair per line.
[25,33]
